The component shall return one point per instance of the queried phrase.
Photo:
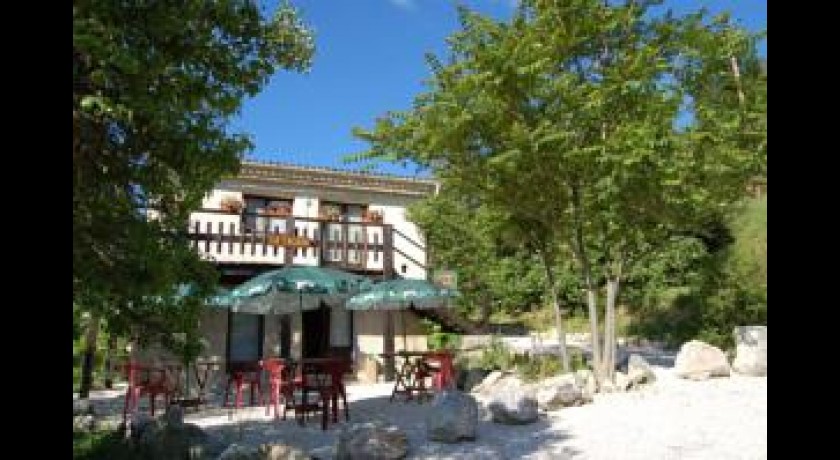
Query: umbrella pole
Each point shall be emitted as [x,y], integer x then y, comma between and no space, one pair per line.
[402,322]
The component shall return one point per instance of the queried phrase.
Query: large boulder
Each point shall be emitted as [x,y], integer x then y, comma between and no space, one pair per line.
[639,371]
[490,381]
[751,350]
[453,416]
[237,452]
[560,391]
[698,360]
[516,407]
[170,438]
[281,452]
[470,378]
[589,385]
[371,440]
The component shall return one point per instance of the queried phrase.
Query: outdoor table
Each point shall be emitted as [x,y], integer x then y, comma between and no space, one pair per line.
[201,371]
[324,376]
[411,374]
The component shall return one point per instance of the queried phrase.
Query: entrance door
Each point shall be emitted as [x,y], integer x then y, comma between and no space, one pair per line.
[286,336]
[316,332]
[245,333]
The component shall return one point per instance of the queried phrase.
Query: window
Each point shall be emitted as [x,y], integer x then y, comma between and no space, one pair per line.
[256,218]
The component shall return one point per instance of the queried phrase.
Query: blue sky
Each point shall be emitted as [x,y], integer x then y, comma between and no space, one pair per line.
[369,60]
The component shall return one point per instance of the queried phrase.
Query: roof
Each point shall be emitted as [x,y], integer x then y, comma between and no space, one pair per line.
[316,176]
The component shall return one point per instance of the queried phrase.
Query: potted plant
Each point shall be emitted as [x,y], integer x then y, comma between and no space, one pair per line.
[231,204]
[281,210]
[372,217]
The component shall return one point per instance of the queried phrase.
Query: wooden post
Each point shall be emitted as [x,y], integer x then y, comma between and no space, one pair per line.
[387,251]
[289,255]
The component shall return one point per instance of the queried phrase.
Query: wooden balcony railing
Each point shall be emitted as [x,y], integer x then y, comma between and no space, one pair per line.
[269,239]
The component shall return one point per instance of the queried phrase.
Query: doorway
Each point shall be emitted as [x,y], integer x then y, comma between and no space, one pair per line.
[286,336]
[316,332]
[245,337]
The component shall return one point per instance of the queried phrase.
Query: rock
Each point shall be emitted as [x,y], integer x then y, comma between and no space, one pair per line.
[588,384]
[371,440]
[161,440]
[138,423]
[621,381]
[750,350]
[237,452]
[323,453]
[488,382]
[561,391]
[82,407]
[453,416]
[514,408]
[639,371]
[471,378]
[174,416]
[84,422]
[698,361]
[281,452]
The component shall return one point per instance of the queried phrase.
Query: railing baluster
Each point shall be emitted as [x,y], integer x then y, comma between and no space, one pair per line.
[219,238]
[231,240]
[207,237]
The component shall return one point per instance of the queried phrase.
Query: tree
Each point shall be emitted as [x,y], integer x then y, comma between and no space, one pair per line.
[495,271]
[566,120]
[153,86]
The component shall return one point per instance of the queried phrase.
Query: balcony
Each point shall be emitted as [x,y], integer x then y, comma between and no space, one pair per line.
[276,239]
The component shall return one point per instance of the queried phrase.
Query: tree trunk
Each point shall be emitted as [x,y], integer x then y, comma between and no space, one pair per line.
[597,359]
[558,315]
[88,359]
[109,354]
[609,329]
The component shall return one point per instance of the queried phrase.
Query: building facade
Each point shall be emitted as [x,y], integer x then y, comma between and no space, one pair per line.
[276,215]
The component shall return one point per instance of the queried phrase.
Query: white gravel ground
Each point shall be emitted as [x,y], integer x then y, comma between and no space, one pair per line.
[717,419]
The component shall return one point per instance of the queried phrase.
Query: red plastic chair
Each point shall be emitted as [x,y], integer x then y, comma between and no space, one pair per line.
[145,380]
[281,384]
[242,374]
[444,372]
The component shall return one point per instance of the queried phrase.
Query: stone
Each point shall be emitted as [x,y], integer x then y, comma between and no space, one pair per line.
[371,440]
[82,407]
[751,350]
[453,416]
[560,391]
[639,371]
[621,381]
[281,452]
[488,382]
[323,453]
[589,386]
[514,408]
[698,360]
[237,452]
[84,422]
[162,440]
[138,423]
[471,378]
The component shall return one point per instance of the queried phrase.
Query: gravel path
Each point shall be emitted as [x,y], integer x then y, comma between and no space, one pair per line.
[672,419]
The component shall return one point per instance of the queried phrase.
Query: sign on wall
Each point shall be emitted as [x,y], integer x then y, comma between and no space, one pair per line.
[446,279]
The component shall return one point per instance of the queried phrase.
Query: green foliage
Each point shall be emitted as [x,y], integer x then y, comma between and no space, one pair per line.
[712,292]
[565,127]
[437,339]
[496,356]
[154,84]
[101,445]
[540,367]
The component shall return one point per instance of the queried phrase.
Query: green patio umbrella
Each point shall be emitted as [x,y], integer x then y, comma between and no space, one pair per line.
[292,289]
[403,294]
